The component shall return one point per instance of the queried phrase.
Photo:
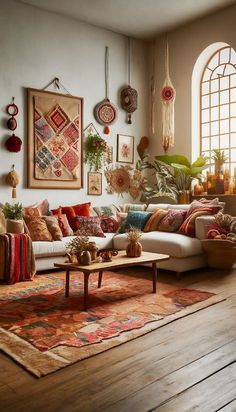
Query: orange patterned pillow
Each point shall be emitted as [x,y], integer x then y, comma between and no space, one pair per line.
[38,209]
[154,220]
[38,229]
[53,227]
[188,226]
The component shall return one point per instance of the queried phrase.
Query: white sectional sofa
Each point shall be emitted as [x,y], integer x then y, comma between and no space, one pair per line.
[185,252]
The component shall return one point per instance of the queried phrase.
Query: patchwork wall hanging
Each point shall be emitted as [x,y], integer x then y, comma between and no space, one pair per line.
[54,140]
[168,98]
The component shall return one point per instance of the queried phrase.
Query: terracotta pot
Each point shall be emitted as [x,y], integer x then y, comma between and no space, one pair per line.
[15,226]
[134,249]
[184,197]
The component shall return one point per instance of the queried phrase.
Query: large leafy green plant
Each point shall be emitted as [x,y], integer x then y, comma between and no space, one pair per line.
[95,146]
[173,174]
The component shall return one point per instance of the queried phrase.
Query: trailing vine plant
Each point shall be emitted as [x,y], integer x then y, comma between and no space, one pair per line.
[95,146]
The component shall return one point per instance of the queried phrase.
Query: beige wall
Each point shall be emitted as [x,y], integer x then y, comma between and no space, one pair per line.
[185,45]
[35,47]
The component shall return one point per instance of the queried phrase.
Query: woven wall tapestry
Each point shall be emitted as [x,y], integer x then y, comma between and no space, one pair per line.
[54,140]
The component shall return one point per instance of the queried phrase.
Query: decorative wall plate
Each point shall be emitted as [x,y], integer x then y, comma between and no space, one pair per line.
[105,112]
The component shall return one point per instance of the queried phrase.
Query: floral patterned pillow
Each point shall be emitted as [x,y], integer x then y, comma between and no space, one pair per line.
[109,224]
[89,226]
[172,221]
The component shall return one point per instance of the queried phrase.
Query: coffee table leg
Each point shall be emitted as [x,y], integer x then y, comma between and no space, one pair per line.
[67,283]
[86,277]
[100,279]
[154,276]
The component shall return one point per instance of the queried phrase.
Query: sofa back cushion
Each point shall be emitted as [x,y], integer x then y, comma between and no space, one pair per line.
[38,229]
[89,226]
[135,219]
[53,227]
[172,221]
[154,220]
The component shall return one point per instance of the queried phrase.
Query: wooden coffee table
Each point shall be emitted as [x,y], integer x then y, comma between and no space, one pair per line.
[119,261]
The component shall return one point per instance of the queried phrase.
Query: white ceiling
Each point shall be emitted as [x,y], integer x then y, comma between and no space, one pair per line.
[136,18]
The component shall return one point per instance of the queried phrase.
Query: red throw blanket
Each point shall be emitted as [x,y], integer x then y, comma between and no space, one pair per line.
[17,262]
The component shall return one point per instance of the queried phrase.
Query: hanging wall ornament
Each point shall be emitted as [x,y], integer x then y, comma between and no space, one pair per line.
[105,112]
[12,110]
[13,143]
[129,96]
[168,98]
[12,180]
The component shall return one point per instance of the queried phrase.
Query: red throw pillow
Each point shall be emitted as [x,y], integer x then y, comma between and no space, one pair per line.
[77,210]
[109,224]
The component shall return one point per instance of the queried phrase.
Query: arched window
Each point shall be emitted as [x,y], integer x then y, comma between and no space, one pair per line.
[218,107]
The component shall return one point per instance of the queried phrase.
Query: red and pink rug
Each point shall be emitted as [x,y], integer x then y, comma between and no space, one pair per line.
[44,331]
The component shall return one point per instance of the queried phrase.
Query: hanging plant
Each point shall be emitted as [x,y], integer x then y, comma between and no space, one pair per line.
[95,148]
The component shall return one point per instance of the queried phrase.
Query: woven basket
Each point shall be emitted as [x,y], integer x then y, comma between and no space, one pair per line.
[221,254]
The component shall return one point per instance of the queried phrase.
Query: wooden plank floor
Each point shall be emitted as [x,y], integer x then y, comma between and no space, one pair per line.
[187,365]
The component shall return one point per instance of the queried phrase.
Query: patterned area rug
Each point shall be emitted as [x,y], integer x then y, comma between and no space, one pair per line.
[44,331]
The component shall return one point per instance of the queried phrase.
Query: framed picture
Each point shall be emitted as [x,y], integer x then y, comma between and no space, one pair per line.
[90,129]
[125,148]
[54,140]
[94,183]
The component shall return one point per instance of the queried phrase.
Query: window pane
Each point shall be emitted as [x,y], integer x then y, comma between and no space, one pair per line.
[224,55]
[233,56]
[214,62]
[224,97]
[224,141]
[233,80]
[205,101]
[214,85]
[205,143]
[205,87]
[206,75]
[215,142]
[224,111]
[229,70]
[233,169]
[233,155]
[233,139]
[233,95]
[233,109]
[205,130]
[233,124]
[214,99]
[205,115]
[215,113]
[224,126]
[224,83]
[214,128]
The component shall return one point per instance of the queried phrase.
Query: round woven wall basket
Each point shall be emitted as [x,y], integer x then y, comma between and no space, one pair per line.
[221,254]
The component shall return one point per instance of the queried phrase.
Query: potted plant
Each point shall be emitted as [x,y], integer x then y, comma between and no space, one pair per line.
[14,217]
[95,148]
[219,158]
[134,247]
[80,247]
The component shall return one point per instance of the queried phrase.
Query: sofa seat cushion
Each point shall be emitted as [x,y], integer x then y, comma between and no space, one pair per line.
[58,248]
[173,244]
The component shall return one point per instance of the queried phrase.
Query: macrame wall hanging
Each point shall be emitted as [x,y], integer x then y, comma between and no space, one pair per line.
[105,112]
[153,88]
[168,98]
[129,96]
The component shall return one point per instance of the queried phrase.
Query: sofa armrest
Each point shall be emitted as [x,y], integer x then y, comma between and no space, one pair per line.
[202,224]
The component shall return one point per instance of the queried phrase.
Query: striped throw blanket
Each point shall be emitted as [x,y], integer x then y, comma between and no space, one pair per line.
[17,262]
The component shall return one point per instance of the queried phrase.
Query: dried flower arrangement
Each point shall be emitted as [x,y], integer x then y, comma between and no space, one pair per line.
[77,245]
[133,234]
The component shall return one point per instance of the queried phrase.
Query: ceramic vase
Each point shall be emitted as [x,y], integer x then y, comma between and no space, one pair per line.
[84,258]
[134,249]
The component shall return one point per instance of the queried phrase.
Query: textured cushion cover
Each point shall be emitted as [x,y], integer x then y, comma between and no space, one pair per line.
[53,227]
[139,207]
[77,210]
[38,229]
[109,210]
[89,226]
[63,222]
[154,220]
[109,224]
[38,209]
[135,219]
[188,226]
[202,203]
[172,221]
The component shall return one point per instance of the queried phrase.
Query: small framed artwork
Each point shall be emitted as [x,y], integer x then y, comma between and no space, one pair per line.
[90,129]
[94,183]
[125,148]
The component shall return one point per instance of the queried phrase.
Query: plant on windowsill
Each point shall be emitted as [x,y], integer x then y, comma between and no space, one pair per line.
[95,147]
[14,217]
[219,158]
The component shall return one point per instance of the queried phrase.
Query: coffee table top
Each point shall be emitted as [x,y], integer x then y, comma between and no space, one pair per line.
[121,260]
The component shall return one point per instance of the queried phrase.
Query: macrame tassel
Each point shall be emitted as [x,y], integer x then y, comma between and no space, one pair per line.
[168,110]
[13,193]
